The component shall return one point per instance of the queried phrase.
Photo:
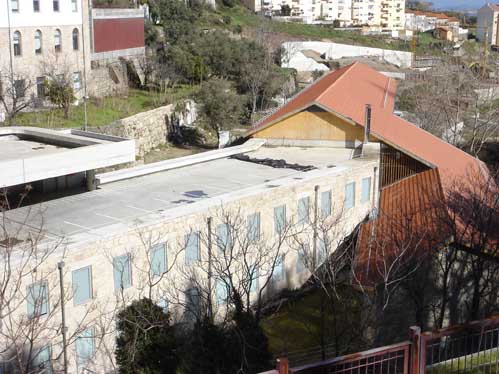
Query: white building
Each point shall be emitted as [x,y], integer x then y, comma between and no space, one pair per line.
[487,24]
[392,14]
[366,12]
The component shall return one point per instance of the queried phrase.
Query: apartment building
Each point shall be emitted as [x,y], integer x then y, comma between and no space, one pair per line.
[487,24]
[65,39]
[392,14]
[366,12]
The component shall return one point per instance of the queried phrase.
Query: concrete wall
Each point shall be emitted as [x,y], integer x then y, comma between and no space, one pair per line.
[293,58]
[98,313]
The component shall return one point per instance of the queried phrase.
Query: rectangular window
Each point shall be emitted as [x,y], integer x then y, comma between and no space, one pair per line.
[82,285]
[280,219]
[303,210]
[76,81]
[192,248]
[36,5]
[74,5]
[350,195]
[40,87]
[192,301]
[278,274]
[255,279]
[37,299]
[159,261]
[85,347]
[366,190]
[321,250]
[254,227]
[14,5]
[326,204]
[301,260]
[221,291]
[164,304]
[122,272]
[55,5]
[20,88]
[41,360]
[223,236]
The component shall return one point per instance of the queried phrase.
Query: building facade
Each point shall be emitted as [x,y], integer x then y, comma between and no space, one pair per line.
[392,14]
[487,24]
[68,41]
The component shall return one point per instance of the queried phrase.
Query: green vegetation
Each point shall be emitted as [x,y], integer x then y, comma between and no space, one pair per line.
[482,363]
[106,110]
[302,324]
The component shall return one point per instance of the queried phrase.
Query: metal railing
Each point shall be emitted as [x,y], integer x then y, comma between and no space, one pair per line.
[464,349]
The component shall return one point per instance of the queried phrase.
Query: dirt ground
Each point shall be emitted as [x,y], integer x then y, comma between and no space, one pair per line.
[169,151]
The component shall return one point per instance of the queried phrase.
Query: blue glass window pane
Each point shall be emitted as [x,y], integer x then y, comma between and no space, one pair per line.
[223,236]
[221,291]
[280,219]
[255,279]
[85,347]
[37,299]
[303,210]
[366,189]
[82,285]
[192,248]
[158,259]
[350,195]
[326,204]
[254,227]
[122,272]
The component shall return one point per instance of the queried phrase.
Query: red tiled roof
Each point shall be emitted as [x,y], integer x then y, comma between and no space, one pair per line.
[346,92]
[407,226]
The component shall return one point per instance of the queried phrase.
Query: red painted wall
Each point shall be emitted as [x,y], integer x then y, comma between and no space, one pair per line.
[120,33]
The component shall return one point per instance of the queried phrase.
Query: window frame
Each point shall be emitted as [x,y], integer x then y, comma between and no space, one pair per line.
[75,39]
[17,43]
[279,211]
[122,286]
[191,261]
[45,300]
[36,6]
[303,210]
[347,204]
[364,198]
[38,35]
[254,233]
[57,38]
[156,247]
[90,288]
[326,212]
[16,9]
[56,6]
[74,6]
[224,239]
[91,336]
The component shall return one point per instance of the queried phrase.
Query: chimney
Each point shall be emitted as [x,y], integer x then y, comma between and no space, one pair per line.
[367,124]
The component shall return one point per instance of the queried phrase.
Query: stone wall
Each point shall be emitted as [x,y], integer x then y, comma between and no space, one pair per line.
[149,129]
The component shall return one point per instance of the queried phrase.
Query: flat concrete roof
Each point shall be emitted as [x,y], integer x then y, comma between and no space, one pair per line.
[30,154]
[174,192]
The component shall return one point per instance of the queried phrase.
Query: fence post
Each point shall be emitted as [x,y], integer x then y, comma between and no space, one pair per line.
[415,337]
[282,365]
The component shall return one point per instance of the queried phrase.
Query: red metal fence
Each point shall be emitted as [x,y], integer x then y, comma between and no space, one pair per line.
[468,349]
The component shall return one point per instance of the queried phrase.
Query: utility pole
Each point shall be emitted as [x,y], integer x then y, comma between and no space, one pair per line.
[60,266]
[210,271]
[486,52]
[315,234]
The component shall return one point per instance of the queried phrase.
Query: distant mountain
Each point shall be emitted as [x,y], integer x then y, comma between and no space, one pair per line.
[458,4]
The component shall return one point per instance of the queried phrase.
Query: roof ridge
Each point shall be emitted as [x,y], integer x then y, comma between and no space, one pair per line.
[347,69]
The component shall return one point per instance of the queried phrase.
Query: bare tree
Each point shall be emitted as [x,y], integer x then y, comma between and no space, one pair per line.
[15,93]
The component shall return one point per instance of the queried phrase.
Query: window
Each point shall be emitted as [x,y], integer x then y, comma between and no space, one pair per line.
[191,248]
[192,300]
[14,6]
[38,42]
[85,347]
[20,88]
[159,261]
[55,5]
[122,272]
[278,274]
[74,5]
[325,204]
[254,227]
[223,236]
[37,299]
[41,360]
[221,291]
[321,250]
[76,81]
[301,260]
[164,304]
[350,195]
[57,40]
[76,39]
[366,190]
[17,43]
[82,285]
[280,219]
[255,276]
[36,5]
[303,210]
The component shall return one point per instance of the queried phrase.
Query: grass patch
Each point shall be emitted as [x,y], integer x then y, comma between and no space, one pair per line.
[483,363]
[298,324]
[105,110]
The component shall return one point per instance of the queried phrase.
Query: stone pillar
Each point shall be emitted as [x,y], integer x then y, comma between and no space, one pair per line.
[90,179]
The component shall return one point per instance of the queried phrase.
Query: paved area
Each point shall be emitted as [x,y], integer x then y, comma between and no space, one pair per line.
[13,148]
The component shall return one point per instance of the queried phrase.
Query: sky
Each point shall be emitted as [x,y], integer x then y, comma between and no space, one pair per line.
[459,4]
